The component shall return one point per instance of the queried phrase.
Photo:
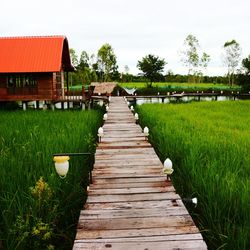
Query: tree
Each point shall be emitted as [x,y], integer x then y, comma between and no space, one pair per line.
[152,67]
[84,69]
[106,59]
[126,69]
[231,58]
[205,59]
[192,60]
[243,79]
[73,57]
[84,61]
[246,65]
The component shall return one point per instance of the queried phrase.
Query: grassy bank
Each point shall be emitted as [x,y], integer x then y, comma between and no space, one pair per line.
[38,209]
[163,87]
[209,144]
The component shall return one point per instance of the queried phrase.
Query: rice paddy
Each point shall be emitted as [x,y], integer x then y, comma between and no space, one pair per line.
[39,210]
[209,144]
[163,87]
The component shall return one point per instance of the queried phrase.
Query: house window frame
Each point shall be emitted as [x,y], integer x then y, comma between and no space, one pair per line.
[21,81]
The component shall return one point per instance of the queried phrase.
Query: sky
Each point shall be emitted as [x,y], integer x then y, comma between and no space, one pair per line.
[135,28]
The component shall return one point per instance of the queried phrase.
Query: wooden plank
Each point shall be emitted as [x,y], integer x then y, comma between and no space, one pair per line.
[129,163]
[130,134]
[129,190]
[105,146]
[163,204]
[121,130]
[95,185]
[112,139]
[148,151]
[132,197]
[112,169]
[149,238]
[126,175]
[122,168]
[129,156]
[122,165]
[125,172]
[163,245]
[142,232]
[131,204]
[129,180]
[132,213]
[129,223]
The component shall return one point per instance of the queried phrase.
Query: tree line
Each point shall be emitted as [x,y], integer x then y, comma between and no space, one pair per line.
[102,67]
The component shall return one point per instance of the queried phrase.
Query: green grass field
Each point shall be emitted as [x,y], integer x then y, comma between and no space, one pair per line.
[38,209]
[209,144]
[181,86]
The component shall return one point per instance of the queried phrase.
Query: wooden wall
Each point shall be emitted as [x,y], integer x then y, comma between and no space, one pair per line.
[47,89]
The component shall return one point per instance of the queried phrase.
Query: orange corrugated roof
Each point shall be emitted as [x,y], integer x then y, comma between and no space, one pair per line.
[34,54]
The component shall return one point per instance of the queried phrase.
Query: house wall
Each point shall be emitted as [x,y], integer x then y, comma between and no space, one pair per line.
[3,89]
[46,89]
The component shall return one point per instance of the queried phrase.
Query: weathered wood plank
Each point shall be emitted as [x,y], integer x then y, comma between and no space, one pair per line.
[163,245]
[149,238]
[95,185]
[143,232]
[119,139]
[128,223]
[129,156]
[127,175]
[126,171]
[129,180]
[132,213]
[114,167]
[163,204]
[131,134]
[129,190]
[138,151]
[132,197]
[125,144]
[131,204]
[147,161]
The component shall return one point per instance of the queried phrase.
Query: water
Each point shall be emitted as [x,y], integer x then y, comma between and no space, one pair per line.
[141,100]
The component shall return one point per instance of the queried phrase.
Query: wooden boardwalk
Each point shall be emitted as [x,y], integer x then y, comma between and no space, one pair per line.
[130,204]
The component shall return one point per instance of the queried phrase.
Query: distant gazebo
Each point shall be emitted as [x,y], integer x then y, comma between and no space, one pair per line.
[32,68]
[103,88]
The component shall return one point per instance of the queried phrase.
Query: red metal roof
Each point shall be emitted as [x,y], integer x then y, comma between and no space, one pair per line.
[34,54]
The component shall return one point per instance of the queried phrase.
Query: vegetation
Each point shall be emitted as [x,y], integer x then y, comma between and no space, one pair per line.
[106,62]
[209,144]
[193,60]
[102,66]
[93,68]
[163,87]
[246,65]
[232,53]
[152,68]
[244,78]
[38,209]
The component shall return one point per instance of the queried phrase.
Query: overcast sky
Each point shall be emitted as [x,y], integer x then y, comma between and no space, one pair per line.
[134,28]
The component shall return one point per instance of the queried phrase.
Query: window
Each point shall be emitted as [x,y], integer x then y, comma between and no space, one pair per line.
[20,81]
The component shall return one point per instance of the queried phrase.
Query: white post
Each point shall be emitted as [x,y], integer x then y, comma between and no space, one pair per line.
[83,106]
[52,106]
[24,106]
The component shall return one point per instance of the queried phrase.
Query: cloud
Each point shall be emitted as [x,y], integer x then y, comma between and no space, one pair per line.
[134,28]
